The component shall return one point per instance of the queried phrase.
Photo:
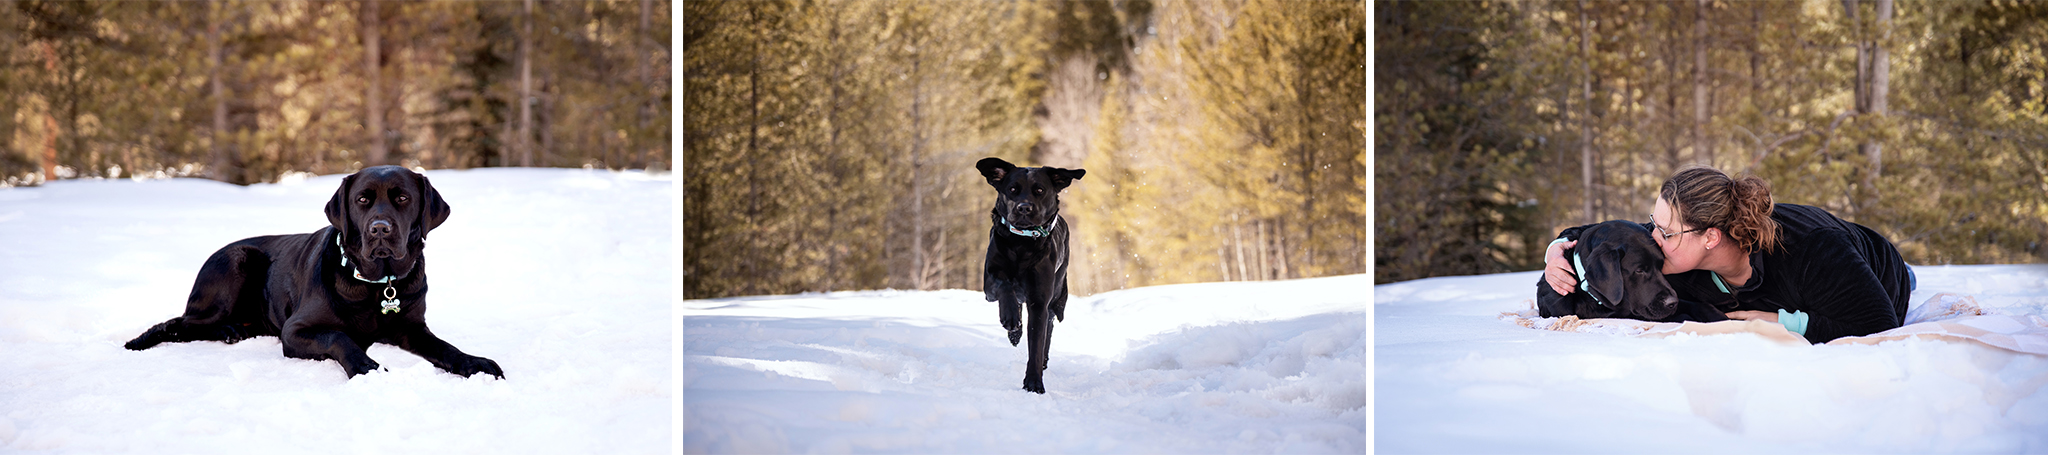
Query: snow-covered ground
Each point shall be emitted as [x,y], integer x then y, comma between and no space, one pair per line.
[564,277]
[1452,377]
[1196,368]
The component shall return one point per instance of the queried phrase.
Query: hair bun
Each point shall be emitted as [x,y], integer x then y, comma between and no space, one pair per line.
[1753,213]
[1741,208]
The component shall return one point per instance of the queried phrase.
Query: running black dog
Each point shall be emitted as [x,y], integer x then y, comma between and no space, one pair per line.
[1027,254]
[1621,275]
[331,293]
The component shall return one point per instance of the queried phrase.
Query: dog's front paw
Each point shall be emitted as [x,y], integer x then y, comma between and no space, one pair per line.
[147,340]
[361,368]
[1015,325]
[474,365]
[1035,385]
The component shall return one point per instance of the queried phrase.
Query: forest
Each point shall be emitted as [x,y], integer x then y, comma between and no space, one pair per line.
[255,91]
[829,144]
[1499,123]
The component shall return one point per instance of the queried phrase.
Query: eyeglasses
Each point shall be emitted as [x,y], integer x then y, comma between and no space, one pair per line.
[1668,235]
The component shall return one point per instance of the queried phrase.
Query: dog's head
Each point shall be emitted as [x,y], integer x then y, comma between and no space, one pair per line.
[383,214]
[1027,197]
[1623,268]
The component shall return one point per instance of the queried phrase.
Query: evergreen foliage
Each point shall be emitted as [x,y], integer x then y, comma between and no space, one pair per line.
[829,144]
[245,92]
[1500,123]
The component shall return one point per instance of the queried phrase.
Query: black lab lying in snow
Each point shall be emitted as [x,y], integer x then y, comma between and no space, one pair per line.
[1027,254]
[1621,275]
[329,294]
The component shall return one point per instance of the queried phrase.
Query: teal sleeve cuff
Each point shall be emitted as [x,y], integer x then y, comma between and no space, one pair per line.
[1794,321]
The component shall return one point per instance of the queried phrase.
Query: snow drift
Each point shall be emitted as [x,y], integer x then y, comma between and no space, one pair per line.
[1453,376]
[563,277]
[1197,368]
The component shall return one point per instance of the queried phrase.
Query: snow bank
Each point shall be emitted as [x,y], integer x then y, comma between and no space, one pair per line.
[563,277]
[1203,368]
[1452,377]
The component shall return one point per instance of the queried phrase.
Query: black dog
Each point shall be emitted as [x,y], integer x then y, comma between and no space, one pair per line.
[1620,271]
[329,294]
[1027,254]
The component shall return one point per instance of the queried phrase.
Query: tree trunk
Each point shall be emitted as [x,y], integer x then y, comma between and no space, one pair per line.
[1280,248]
[1586,117]
[832,125]
[1669,58]
[1873,87]
[748,263]
[525,140]
[1237,239]
[1305,95]
[217,151]
[1263,249]
[72,113]
[1222,255]
[1756,84]
[917,218]
[648,110]
[1702,153]
[48,51]
[373,98]
[1880,92]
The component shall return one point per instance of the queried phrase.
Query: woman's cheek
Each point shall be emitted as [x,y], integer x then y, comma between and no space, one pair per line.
[1674,263]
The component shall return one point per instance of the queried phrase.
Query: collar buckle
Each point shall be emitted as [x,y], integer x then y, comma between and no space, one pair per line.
[390,303]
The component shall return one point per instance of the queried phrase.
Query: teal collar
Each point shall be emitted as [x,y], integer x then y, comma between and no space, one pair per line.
[1581,268]
[1719,284]
[390,303]
[1036,232]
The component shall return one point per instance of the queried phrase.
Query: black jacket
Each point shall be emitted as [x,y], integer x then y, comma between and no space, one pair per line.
[1849,280]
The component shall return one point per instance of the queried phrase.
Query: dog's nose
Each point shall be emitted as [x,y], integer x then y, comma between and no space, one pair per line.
[380,228]
[1026,209]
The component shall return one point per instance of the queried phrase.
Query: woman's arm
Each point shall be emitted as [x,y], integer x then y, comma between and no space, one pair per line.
[1557,270]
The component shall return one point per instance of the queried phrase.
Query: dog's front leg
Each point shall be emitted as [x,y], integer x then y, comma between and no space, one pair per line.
[1013,319]
[323,344]
[1041,342]
[418,340]
[1008,304]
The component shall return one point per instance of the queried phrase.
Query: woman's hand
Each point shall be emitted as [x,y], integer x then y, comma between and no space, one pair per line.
[1750,315]
[1557,270]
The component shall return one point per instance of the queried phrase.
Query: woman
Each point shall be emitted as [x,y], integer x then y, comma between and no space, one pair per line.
[1726,244]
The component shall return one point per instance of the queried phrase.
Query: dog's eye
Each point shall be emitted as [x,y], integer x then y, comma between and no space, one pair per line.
[362,199]
[1038,191]
[400,199]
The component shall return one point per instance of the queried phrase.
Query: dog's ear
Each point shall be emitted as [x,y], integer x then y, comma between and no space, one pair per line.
[994,169]
[1617,274]
[1063,177]
[433,210]
[337,207]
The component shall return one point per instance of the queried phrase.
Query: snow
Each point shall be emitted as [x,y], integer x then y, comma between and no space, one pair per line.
[1452,377]
[564,277]
[1195,368]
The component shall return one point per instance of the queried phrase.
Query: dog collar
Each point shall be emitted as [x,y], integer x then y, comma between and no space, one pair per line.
[1036,232]
[1581,268]
[390,303]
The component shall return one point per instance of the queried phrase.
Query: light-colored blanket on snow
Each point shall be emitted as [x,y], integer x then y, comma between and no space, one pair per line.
[1945,316]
